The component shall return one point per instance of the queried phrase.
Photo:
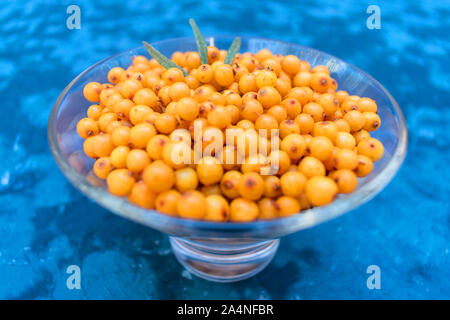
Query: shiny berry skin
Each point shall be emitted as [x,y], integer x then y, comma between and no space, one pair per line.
[355,119]
[320,147]
[219,117]
[129,88]
[87,127]
[311,167]
[94,112]
[92,91]
[290,64]
[315,110]
[345,179]
[293,183]
[141,134]
[186,179]
[224,75]
[142,196]
[320,82]
[327,129]
[268,96]
[146,97]
[102,167]
[292,106]
[247,83]
[367,105]
[373,121]
[365,166]
[267,209]
[137,160]
[217,208]
[287,206]
[159,176]
[229,184]
[156,145]
[139,113]
[120,182]
[115,74]
[205,73]
[209,170]
[251,110]
[187,108]
[345,140]
[279,161]
[167,202]
[251,186]
[320,190]
[305,122]
[345,159]
[329,103]
[192,205]
[242,210]
[166,123]
[179,90]
[288,127]
[371,148]
[278,112]
[294,145]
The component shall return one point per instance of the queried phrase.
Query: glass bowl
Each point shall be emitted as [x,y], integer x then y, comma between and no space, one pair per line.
[225,251]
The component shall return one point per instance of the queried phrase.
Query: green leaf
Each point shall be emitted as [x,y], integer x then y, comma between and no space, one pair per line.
[234,49]
[163,60]
[201,43]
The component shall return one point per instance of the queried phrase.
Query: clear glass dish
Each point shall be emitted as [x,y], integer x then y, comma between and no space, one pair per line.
[225,251]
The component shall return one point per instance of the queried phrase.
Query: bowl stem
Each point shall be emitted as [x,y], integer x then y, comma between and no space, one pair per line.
[224,260]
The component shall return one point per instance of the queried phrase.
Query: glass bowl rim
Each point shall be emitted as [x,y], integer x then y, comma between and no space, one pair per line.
[306,218]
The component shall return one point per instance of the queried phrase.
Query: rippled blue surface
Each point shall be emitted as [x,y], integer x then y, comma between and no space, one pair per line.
[46,225]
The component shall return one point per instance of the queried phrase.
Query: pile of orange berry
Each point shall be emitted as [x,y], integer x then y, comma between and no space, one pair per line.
[147,111]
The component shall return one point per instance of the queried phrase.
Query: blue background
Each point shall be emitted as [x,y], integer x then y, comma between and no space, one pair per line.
[47,225]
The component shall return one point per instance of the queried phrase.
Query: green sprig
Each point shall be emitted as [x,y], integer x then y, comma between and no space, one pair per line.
[233,50]
[163,60]
[201,43]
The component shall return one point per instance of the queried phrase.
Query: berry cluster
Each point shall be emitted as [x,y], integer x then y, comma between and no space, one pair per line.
[147,116]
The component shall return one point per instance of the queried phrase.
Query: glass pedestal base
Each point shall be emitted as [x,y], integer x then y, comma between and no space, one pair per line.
[224,261]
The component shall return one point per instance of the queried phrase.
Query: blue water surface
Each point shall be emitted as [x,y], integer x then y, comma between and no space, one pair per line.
[46,225]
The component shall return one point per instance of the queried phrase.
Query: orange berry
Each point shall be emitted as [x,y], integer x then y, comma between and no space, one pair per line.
[159,176]
[278,112]
[345,140]
[315,110]
[294,145]
[187,108]
[142,196]
[155,146]
[293,183]
[217,208]
[179,90]
[146,97]
[268,97]
[361,135]
[371,148]
[290,64]
[167,202]
[320,191]
[272,187]
[247,83]
[103,145]
[219,117]
[345,159]
[328,129]
[320,82]
[115,74]
[365,166]
[213,54]
[320,147]
[288,127]
[305,122]
[87,127]
[242,210]
[186,179]
[329,103]
[372,122]
[137,160]
[138,114]
[287,206]
[120,182]
[166,123]
[102,167]
[224,75]
[355,119]
[119,156]
[209,170]
[192,204]
[172,75]
[311,167]
[265,78]
[279,161]
[251,110]
[129,88]
[367,105]
[267,209]
[92,91]
[94,112]
[141,133]
[251,186]
[292,106]
[345,179]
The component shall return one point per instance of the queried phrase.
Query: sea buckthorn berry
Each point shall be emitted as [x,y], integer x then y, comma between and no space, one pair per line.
[141,133]
[355,119]
[129,88]
[287,206]
[292,106]
[302,79]
[367,105]
[167,202]
[320,82]
[272,187]
[156,145]
[213,54]
[139,113]
[146,97]
[247,83]
[179,90]
[87,127]
[315,110]
[251,110]
[224,75]
[304,202]
[178,155]
[193,60]
[263,55]
[219,117]
[103,145]
[115,74]
[373,121]
[247,142]
[119,156]
[254,163]
[365,166]
[272,65]
[94,112]
[267,209]
[166,123]
[186,179]
[113,125]
[268,97]
[278,112]
[279,161]
[192,205]
[140,60]
[288,127]
[345,140]
[234,113]
[320,191]
[345,179]
[209,170]
[102,167]
[239,70]
[341,95]
[283,86]
[212,189]
[248,63]
[251,186]
[123,108]
[294,145]
[229,157]
[204,108]
[105,94]
[320,69]
[371,148]
[172,75]
[234,99]
[249,96]
[303,95]
[217,208]
[242,210]
[178,58]
[305,122]
[305,66]
[342,125]
[105,119]
[266,122]
[265,78]
[181,135]
[120,182]
[349,105]
[325,128]
[159,176]
[217,98]
[293,183]
[187,108]
[329,103]
[290,64]
[112,100]
[205,73]
[142,196]
[320,147]
[229,184]
[92,91]
[311,167]
[345,159]
[361,135]
[192,81]
[137,160]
